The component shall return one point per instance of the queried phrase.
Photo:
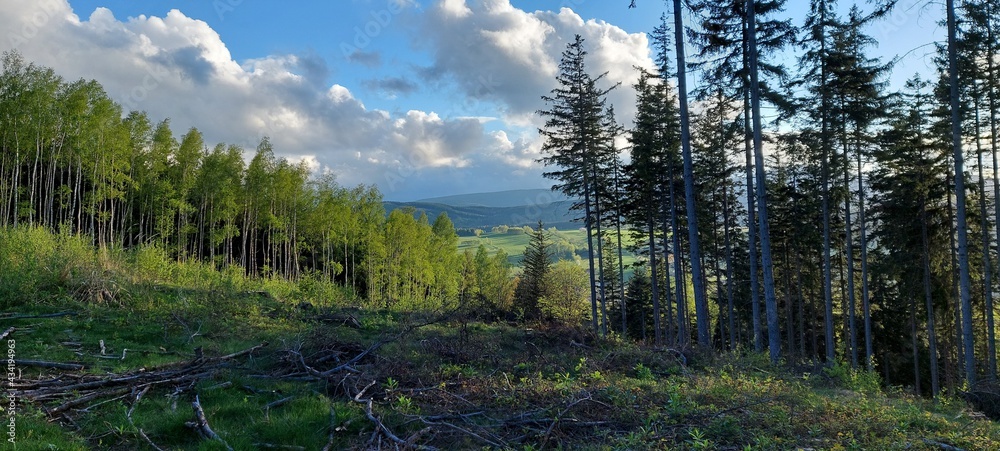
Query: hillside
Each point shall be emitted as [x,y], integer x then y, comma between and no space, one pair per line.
[555,214]
[566,244]
[119,351]
[510,198]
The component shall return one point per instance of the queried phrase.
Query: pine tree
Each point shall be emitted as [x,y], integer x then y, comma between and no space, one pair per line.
[574,140]
[536,264]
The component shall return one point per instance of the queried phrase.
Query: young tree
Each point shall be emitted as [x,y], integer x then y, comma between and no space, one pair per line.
[536,264]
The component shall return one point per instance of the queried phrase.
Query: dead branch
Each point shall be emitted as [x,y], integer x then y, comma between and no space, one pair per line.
[240,353]
[6,333]
[278,403]
[289,447]
[138,397]
[201,424]
[55,365]
[943,446]
[10,316]
[128,415]
[148,440]
[333,429]
[379,426]
[430,422]
[83,389]
[555,421]
[225,384]
[85,399]
[340,320]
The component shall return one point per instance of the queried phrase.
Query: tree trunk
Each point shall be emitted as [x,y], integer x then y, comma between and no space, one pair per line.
[984,223]
[679,282]
[931,332]
[666,271]
[825,138]
[849,244]
[590,255]
[734,340]
[621,264]
[771,304]
[697,274]
[654,280]
[961,226]
[600,265]
[865,300]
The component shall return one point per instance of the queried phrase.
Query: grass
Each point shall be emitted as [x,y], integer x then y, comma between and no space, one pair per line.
[450,383]
[569,243]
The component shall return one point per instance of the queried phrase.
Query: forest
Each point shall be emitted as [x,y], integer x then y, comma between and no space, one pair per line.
[854,224]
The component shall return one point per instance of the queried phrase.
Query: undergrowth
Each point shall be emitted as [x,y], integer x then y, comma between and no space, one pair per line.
[435,381]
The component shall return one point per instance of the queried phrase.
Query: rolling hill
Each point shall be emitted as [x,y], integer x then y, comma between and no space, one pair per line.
[511,198]
[487,210]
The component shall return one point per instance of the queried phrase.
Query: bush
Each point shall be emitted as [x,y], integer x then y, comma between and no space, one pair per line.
[36,263]
[860,380]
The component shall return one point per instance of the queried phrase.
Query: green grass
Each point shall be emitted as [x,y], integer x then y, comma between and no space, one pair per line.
[568,243]
[452,383]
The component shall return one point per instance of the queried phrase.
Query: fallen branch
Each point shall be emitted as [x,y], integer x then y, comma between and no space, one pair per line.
[340,319]
[10,316]
[148,440]
[6,333]
[381,427]
[289,447]
[240,353]
[201,424]
[943,446]
[55,365]
[85,399]
[555,421]
[128,415]
[278,403]
[430,422]
[333,429]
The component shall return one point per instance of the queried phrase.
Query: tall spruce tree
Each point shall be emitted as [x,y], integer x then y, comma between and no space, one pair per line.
[573,141]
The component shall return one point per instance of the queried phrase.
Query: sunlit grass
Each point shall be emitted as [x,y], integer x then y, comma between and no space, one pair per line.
[500,384]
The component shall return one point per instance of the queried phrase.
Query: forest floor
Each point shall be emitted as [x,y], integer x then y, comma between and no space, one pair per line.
[169,367]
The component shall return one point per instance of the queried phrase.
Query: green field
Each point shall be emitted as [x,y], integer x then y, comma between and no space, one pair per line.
[566,242]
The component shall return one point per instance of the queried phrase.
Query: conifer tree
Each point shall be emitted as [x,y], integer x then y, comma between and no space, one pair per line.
[536,264]
[574,139]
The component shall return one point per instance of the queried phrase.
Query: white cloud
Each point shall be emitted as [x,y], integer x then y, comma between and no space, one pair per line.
[178,67]
[499,53]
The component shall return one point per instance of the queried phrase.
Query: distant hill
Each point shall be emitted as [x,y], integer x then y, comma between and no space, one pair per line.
[512,198]
[487,210]
[556,214]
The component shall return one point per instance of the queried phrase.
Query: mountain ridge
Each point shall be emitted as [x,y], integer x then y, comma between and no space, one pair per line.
[507,198]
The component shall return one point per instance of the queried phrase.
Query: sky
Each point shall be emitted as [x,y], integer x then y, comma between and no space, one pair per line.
[421,98]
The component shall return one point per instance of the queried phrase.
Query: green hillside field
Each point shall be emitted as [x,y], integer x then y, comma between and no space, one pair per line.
[568,244]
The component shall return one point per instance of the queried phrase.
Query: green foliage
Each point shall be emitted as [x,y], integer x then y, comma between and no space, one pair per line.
[565,294]
[857,379]
[642,372]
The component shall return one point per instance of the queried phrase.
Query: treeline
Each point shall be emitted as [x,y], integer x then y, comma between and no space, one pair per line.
[71,160]
[860,243]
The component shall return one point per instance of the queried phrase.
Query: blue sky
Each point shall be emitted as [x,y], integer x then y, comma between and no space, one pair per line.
[420,97]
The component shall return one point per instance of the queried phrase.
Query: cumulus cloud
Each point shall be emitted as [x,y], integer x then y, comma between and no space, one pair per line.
[511,56]
[179,67]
